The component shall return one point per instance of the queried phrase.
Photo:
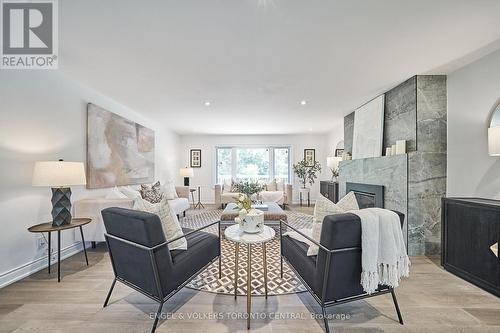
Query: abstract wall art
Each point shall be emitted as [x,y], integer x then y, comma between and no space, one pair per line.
[368,129]
[119,151]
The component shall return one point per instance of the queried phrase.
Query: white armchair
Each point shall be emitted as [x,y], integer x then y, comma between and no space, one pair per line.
[280,197]
[222,198]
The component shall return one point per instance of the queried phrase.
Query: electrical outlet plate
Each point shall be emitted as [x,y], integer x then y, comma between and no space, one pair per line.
[41,243]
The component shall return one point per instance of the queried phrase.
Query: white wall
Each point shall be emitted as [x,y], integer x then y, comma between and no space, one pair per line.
[43,117]
[472,92]
[335,138]
[205,176]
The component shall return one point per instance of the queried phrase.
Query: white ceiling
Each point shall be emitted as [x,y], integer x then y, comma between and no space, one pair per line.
[256,62]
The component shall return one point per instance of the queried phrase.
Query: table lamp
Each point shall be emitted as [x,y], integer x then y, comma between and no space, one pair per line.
[59,175]
[186,173]
[333,165]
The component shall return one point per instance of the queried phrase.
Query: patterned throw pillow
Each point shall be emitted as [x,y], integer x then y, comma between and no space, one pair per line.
[152,194]
[170,222]
[325,207]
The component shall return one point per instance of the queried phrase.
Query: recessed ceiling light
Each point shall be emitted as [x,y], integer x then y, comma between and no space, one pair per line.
[207,103]
[303,102]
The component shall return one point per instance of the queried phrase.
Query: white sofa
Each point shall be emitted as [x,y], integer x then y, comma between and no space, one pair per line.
[92,207]
[280,197]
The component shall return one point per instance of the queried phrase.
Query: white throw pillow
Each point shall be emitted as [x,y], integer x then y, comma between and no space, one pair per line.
[115,193]
[226,185]
[169,190]
[280,185]
[130,192]
[325,207]
[295,235]
[170,222]
[271,186]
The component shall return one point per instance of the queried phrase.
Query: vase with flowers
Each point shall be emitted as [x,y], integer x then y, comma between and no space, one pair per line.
[249,219]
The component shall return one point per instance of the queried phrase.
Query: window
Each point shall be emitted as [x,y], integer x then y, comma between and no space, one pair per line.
[253,163]
[282,164]
[224,162]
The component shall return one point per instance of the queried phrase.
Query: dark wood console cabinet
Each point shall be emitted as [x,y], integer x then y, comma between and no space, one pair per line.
[469,231]
[330,190]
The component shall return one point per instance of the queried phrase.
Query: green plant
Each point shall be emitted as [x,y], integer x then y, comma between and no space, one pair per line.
[335,173]
[306,174]
[249,187]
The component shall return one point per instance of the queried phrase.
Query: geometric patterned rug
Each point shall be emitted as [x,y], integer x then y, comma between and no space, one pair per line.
[208,280]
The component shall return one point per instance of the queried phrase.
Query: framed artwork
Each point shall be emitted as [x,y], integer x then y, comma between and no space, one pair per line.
[119,151]
[339,152]
[310,157]
[195,159]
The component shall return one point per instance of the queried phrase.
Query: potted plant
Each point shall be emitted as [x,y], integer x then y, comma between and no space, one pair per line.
[249,187]
[306,174]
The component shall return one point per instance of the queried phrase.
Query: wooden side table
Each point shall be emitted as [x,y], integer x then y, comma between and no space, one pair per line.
[49,228]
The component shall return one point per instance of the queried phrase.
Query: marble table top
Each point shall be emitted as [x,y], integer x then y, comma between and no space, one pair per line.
[235,234]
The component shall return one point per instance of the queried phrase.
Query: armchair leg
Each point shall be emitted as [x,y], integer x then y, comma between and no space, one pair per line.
[325,319]
[109,293]
[281,250]
[157,318]
[281,269]
[220,266]
[397,306]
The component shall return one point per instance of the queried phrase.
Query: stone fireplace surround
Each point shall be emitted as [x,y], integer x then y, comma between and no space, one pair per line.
[414,183]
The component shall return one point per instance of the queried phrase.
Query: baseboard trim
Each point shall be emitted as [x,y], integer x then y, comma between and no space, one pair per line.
[36,265]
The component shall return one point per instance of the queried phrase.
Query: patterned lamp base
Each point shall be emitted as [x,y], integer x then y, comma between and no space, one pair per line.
[61,206]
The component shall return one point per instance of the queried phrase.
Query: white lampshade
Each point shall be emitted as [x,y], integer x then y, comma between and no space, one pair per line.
[494,141]
[186,172]
[333,162]
[59,174]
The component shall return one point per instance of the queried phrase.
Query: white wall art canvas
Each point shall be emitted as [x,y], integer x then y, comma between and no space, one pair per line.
[119,151]
[369,129]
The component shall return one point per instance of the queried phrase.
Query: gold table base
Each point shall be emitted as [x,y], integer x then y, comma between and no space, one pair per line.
[249,275]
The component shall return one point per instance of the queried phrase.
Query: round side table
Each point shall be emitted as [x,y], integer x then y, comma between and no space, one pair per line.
[234,234]
[48,228]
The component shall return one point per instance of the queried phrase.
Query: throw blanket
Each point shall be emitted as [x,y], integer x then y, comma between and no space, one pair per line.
[383,258]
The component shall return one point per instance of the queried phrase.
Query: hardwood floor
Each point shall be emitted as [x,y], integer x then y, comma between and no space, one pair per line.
[431,300]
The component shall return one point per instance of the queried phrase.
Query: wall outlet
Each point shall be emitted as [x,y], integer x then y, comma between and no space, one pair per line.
[41,243]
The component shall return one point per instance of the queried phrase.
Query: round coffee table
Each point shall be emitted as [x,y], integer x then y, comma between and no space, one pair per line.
[234,234]
[48,228]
